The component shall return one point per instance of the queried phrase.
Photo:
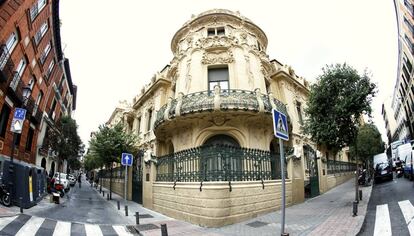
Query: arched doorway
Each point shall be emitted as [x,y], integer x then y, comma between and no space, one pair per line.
[221,159]
[52,169]
[43,164]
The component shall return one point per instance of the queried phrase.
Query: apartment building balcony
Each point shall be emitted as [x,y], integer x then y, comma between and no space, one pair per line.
[6,64]
[231,100]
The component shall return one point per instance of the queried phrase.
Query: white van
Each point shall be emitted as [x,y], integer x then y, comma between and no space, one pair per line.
[394,146]
[403,151]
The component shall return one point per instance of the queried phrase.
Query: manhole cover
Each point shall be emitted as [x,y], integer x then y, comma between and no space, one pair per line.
[257,224]
[145,216]
[146,227]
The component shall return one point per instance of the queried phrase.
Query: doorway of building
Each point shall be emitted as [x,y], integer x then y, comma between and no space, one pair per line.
[137,179]
[43,164]
[311,165]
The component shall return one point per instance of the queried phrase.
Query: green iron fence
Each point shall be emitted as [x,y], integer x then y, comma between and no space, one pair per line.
[335,167]
[218,163]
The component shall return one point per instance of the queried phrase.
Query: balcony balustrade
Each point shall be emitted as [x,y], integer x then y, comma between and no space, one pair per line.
[232,99]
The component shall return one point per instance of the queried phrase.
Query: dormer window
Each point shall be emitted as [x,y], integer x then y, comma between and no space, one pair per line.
[216,31]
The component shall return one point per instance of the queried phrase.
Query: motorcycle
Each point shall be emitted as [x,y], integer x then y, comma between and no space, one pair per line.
[4,195]
[399,171]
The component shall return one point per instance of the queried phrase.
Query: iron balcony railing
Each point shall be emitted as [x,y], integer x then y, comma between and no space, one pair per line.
[218,163]
[232,99]
[335,167]
[6,64]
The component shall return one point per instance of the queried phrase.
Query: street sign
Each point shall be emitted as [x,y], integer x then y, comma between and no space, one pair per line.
[127,159]
[280,125]
[280,128]
[18,120]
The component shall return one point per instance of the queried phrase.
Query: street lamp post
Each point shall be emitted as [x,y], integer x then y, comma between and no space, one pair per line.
[26,94]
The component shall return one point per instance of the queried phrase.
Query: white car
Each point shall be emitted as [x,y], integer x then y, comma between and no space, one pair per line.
[62,178]
[72,180]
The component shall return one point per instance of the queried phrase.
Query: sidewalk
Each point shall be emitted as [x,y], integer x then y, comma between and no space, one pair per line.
[327,214]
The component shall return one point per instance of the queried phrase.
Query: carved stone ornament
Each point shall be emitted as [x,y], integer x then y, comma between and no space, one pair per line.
[217,57]
[217,42]
[219,120]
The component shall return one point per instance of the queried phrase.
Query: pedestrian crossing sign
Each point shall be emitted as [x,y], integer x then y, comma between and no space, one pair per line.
[280,126]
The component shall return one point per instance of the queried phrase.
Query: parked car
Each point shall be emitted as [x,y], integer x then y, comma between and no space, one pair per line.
[408,166]
[382,167]
[61,178]
[72,180]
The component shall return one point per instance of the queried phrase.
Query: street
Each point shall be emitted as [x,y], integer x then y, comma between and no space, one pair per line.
[389,209]
[82,212]
[83,205]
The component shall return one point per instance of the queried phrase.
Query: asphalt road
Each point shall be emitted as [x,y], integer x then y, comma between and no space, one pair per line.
[388,193]
[82,205]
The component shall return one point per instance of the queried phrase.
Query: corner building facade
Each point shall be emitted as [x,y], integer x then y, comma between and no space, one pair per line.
[206,132]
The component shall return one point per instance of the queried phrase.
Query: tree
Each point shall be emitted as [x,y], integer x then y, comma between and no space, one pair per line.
[65,141]
[109,143]
[368,143]
[337,101]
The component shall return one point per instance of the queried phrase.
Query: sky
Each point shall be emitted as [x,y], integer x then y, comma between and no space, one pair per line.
[115,49]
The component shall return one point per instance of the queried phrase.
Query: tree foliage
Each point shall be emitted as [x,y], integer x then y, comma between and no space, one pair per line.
[336,102]
[368,143]
[109,143]
[65,141]
[107,146]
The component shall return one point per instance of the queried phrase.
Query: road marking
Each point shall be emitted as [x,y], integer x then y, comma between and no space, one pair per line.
[31,226]
[120,230]
[93,230]
[5,221]
[408,212]
[62,228]
[382,221]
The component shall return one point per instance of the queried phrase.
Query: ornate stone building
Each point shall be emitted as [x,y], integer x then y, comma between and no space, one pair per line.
[209,155]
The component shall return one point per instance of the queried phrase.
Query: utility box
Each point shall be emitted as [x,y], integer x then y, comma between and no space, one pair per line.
[29,183]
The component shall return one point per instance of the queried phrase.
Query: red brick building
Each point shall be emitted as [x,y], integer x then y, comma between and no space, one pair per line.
[31,55]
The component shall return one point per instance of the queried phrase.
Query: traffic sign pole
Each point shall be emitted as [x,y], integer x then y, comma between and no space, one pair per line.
[126,179]
[282,169]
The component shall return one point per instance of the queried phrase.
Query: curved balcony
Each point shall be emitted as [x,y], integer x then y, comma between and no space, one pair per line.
[219,100]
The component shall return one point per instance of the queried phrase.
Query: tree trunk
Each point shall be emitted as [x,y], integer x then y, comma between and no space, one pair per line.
[110,184]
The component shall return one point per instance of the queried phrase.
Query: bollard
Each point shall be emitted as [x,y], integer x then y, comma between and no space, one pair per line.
[103,193]
[107,197]
[164,231]
[137,218]
[360,194]
[21,205]
[126,210]
[285,234]
[119,205]
[355,208]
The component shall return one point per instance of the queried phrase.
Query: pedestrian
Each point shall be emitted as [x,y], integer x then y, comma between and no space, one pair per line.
[79,179]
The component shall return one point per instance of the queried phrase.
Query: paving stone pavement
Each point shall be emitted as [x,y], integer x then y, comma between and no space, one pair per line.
[327,214]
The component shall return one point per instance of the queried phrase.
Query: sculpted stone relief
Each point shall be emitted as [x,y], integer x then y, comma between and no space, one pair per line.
[188,76]
[217,57]
[249,72]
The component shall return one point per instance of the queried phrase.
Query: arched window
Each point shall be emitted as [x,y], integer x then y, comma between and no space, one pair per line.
[222,139]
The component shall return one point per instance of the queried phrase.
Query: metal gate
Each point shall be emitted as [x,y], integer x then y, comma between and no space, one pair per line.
[312,188]
[137,182]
